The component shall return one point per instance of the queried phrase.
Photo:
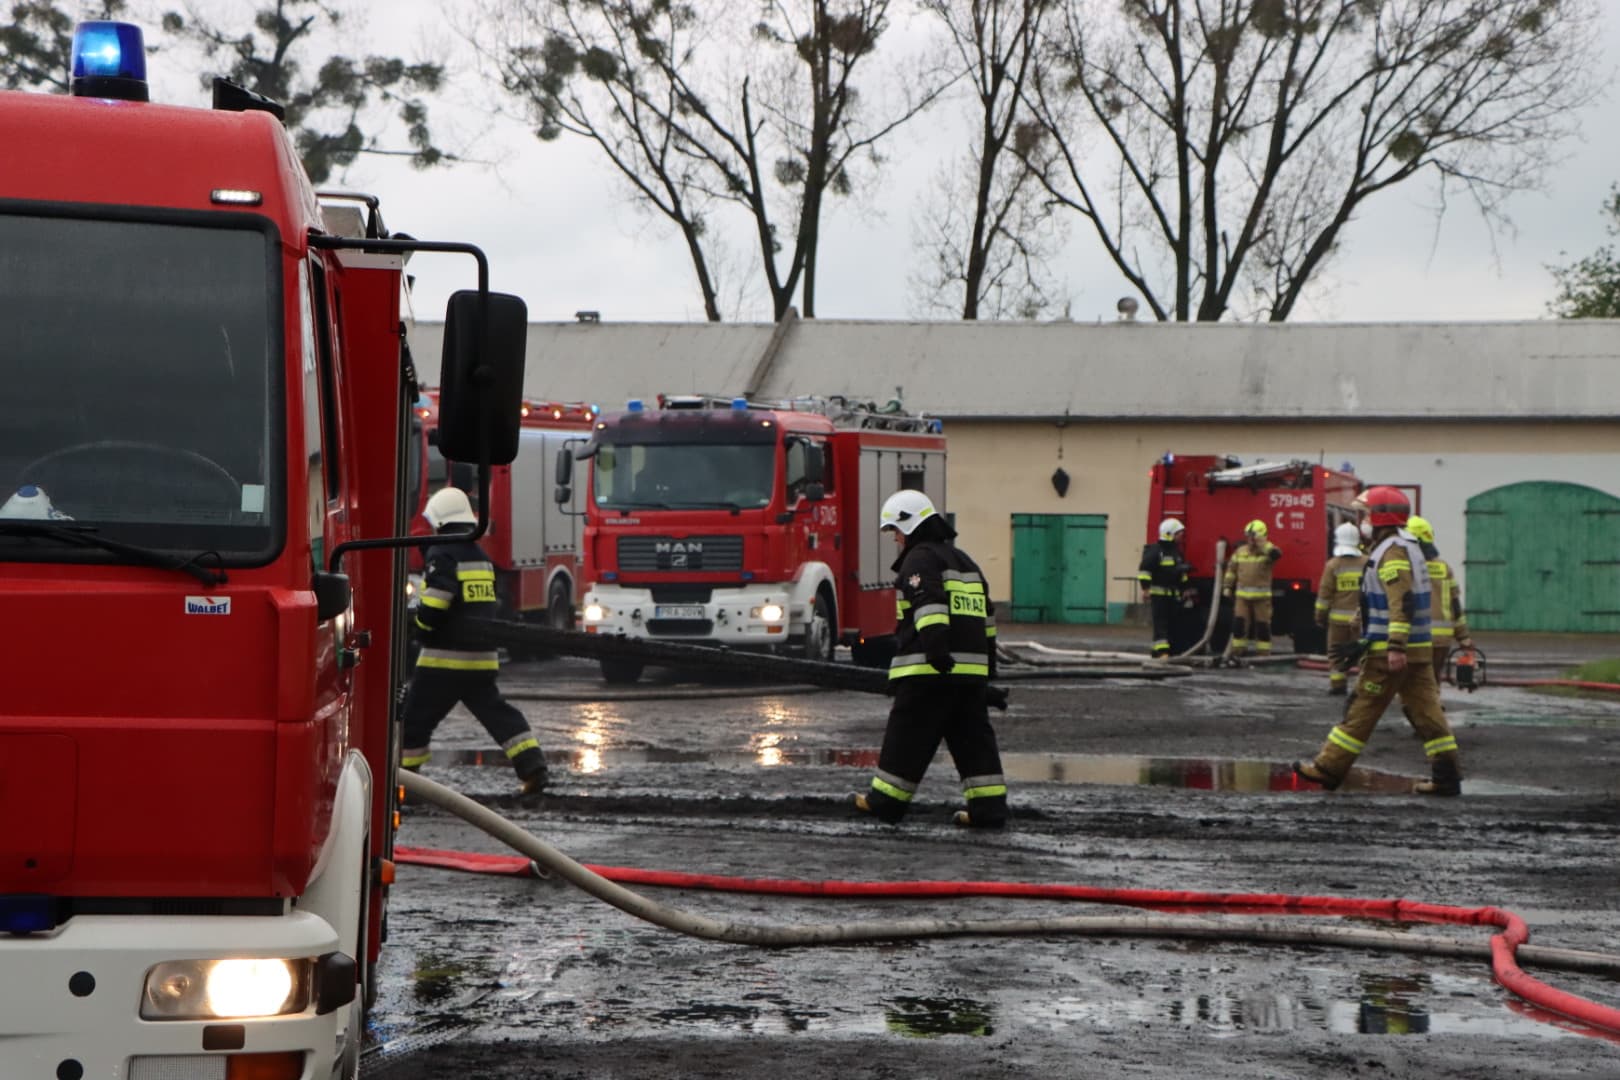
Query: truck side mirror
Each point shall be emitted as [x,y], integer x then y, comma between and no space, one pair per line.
[564,475]
[481,376]
[332,595]
[562,494]
[816,491]
[815,465]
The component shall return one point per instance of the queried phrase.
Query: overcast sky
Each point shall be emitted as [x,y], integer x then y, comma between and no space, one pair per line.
[560,232]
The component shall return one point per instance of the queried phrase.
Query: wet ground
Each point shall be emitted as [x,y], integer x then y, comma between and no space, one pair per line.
[1172,784]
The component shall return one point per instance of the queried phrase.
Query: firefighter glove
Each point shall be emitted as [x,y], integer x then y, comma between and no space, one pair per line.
[996,697]
[1349,650]
[942,661]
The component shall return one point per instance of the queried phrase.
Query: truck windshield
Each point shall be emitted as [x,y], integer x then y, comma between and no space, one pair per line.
[140,371]
[677,476]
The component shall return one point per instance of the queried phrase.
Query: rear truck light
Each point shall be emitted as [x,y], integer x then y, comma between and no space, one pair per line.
[287,1065]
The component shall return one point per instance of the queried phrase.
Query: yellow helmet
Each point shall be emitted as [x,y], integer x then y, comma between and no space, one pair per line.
[1256,529]
[1420,528]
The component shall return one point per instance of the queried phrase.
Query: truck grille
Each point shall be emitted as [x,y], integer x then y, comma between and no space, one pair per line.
[644,554]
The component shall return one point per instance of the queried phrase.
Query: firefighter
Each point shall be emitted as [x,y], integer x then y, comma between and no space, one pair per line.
[945,638]
[1163,574]
[1338,602]
[1248,576]
[458,589]
[1397,639]
[1450,625]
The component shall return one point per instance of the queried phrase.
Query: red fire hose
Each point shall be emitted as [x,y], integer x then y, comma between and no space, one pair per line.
[1503,946]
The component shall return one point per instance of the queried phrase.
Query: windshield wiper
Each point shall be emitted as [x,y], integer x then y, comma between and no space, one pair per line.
[86,536]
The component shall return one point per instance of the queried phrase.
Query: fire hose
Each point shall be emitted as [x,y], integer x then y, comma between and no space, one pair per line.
[1504,949]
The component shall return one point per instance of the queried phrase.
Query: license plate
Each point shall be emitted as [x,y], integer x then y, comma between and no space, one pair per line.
[678,611]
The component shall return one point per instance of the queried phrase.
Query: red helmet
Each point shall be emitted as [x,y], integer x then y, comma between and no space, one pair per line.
[1386,506]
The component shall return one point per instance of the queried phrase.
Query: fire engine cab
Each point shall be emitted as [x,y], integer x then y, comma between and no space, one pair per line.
[748,523]
[1216,497]
[203,520]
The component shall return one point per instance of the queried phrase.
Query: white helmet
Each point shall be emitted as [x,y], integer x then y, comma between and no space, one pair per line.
[1346,539]
[1170,528]
[905,510]
[449,506]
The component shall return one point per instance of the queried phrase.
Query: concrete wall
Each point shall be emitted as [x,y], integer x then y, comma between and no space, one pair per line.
[998,469]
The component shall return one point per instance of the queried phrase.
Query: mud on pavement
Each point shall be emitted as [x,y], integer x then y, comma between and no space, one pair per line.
[1178,784]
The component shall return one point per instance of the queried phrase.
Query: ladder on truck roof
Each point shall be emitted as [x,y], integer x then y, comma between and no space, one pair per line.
[1253,474]
[843,412]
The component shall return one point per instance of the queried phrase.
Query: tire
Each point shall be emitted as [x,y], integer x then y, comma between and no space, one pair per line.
[820,633]
[621,672]
[560,605]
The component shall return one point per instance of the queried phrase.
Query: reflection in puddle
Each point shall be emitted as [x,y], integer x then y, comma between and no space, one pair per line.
[769,750]
[929,1018]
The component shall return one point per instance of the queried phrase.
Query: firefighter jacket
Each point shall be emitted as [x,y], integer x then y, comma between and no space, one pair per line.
[458,589]
[942,608]
[1338,597]
[1395,597]
[1447,617]
[1249,572]
[1163,571]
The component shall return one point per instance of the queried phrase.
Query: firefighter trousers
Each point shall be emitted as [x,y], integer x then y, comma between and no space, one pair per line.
[433,692]
[1165,610]
[1251,617]
[1340,633]
[927,709]
[1375,688]
[1442,649]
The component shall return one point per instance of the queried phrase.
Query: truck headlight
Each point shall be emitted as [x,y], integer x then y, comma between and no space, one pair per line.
[595,613]
[209,989]
[771,612]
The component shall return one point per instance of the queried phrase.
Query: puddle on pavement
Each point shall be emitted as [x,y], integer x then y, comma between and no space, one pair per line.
[929,1018]
[1205,774]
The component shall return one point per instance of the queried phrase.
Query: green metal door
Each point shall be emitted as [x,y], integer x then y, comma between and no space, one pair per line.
[1059,568]
[1543,556]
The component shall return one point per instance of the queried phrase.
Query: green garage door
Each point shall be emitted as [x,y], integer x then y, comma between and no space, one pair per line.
[1059,570]
[1543,556]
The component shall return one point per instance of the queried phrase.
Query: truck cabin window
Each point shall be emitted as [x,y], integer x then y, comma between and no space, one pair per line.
[141,376]
[685,476]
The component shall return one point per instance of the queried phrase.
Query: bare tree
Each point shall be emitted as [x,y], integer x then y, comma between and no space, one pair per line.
[710,106]
[1219,145]
[990,229]
[332,113]
[36,48]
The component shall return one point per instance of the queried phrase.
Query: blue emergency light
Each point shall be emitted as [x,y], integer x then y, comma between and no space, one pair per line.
[27,914]
[739,403]
[109,61]
[635,404]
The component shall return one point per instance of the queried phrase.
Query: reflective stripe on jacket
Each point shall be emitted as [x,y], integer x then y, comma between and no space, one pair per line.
[1395,595]
[458,589]
[1338,597]
[1162,571]
[942,605]
[1249,572]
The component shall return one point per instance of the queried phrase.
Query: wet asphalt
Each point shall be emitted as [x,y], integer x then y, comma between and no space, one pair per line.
[1169,784]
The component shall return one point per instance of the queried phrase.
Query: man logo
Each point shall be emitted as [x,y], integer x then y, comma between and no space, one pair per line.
[208,605]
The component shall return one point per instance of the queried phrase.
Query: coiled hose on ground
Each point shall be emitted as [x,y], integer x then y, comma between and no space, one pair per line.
[1503,949]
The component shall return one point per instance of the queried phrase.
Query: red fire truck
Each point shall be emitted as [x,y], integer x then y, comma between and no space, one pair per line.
[533,540]
[748,524]
[202,543]
[1216,498]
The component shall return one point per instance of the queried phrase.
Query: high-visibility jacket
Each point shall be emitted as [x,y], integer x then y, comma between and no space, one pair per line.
[458,589]
[1396,598]
[1448,620]
[1163,572]
[1249,571]
[942,606]
[1338,597]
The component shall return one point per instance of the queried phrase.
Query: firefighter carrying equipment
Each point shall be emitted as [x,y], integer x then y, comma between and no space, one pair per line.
[1248,578]
[459,592]
[945,655]
[1447,620]
[1163,577]
[1395,590]
[905,510]
[449,506]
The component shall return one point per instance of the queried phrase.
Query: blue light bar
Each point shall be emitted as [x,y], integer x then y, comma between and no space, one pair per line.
[739,403]
[27,914]
[109,61]
[635,404]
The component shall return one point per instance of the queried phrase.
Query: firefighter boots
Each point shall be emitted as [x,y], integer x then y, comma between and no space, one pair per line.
[535,781]
[1445,778]
[1307,771]
[965,820]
